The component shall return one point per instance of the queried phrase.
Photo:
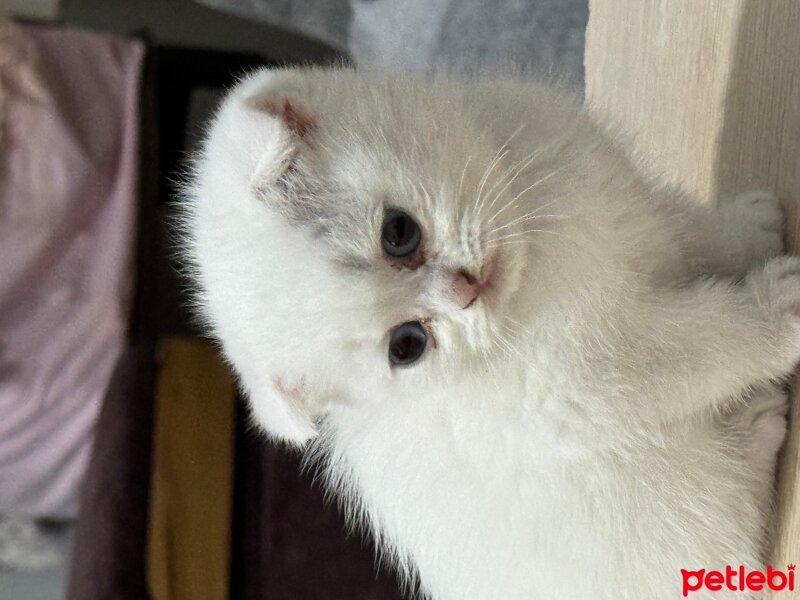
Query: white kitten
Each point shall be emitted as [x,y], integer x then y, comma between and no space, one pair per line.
[508,347]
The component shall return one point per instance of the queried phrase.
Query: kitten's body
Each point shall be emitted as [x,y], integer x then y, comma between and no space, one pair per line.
[578,432]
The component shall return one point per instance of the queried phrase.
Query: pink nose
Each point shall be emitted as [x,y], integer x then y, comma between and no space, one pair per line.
[465,289]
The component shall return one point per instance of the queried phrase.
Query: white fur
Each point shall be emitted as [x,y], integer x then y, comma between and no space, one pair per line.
[602,420]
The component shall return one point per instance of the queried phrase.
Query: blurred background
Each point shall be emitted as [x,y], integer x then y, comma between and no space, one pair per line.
[127,465]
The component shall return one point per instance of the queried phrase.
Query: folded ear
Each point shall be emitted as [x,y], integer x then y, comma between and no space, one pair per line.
[290,112]
[296,124]
[285,408]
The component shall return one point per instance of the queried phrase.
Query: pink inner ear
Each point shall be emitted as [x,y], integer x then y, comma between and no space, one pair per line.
[293,393]
[296,118]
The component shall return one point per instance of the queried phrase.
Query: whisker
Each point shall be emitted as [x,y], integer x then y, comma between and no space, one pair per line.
[511,347]
[504,345]
[520,328]
[543,206]
[481,200]
[527,231]
[513,335]
[461,180]
[516,243]
[497,345]
[488,169]
[526,240]
[514,170]
[423,191]
[525,218]
[499,155]
[518,238]
[494,377]
[528,189]
[517,170]
[512,320]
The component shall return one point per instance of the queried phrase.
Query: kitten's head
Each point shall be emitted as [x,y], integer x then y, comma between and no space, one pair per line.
[354,233]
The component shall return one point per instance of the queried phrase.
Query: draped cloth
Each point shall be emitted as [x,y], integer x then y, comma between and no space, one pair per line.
[69,122]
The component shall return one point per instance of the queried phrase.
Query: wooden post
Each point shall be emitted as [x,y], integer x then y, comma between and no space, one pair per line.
[191,488]
[710,92]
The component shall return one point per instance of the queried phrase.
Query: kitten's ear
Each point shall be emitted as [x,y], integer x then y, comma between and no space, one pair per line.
[286,407]
[292,113]
[296,124]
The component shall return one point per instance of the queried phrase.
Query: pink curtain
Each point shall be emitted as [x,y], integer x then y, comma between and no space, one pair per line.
[68,172]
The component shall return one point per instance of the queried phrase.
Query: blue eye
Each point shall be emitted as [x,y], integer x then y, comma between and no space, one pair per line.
[407,343]
[400,234]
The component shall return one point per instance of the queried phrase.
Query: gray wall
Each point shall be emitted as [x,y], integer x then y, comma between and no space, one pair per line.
[185,23]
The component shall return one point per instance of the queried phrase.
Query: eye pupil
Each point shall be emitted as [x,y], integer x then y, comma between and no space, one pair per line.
[400,234]
[407,343]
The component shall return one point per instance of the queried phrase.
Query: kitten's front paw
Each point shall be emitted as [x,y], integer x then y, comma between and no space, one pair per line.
[777,286]
[764,417]
[755,222]
[776,290]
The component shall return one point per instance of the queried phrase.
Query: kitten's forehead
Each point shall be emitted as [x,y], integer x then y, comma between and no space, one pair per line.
[376,131]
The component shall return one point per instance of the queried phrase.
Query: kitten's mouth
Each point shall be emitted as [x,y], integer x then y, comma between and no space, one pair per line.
[491,277]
